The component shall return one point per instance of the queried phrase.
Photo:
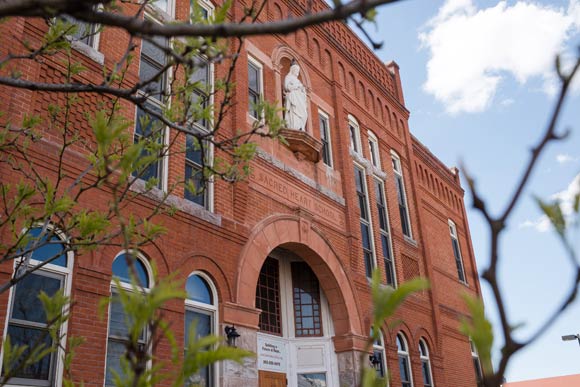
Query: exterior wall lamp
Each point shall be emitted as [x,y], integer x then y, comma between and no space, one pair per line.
[375,361]
[232,335]
[571,338]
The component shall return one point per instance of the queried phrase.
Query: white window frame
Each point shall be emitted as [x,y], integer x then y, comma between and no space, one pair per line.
[374,152]
[370,218]
[325,117]
[260,67]
[404,353]
[129,288]
[213,310]
[476,362]
[164,159]
[169,11]
[388,232]
[458,260]
[355,143]
[398,170]
[51,270]
[205,4]
[425,359]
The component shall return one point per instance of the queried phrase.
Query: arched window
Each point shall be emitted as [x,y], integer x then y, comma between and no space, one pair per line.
[404,363]
[201,320]
[401,195]
[126,265]
[425,364]
[354,131]
[27,323]
[379,358]
[374,153]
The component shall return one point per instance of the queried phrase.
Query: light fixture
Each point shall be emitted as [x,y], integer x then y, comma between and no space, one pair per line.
[571,338]
[375,361]
[232,334]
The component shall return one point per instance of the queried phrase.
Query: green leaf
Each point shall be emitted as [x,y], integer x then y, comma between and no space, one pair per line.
[480,330]
[554,212]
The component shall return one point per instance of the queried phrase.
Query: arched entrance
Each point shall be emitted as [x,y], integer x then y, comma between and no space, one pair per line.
[298,246]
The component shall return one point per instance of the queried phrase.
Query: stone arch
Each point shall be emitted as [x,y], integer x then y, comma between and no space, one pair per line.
[301,237]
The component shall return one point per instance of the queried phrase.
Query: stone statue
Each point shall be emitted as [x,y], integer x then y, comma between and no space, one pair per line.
[295,100]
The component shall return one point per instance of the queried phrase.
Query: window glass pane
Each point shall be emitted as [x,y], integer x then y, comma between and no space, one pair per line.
[153,52]
[306,294]
[381,367]
[115,350]
[32,337]
[193,150]
[194,174]
[403,368]
[201,321]
[162,4]
[312,380]
[47,250]
[148,70]
[426,373]
[27,305]
[198,290]
[200,72]
[121,270]
[253,78]
[401,344]
[268,297]
[117,320]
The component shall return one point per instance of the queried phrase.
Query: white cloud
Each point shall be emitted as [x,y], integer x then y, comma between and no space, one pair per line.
[507,102]
[564,158]
[566,198]
[472,50]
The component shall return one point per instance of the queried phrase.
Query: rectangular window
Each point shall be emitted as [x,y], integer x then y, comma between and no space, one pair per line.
[325,138]
[401,196]
[151,68]
[254,87]
[268,297]
[28,326]
[196,154]
[152,76]
[365,221]
[385,233]
[151,131]
[194,172]
[86,33]
[457,252]
[203,322]
[118,338]
[306,294]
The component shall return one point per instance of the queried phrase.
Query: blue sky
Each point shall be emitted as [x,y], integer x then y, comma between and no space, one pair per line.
[478,80]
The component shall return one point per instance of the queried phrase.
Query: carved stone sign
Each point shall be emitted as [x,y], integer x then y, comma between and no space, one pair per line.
[286,192]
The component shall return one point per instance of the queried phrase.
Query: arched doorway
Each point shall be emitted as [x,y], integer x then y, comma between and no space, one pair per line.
[292,240]
[295,327]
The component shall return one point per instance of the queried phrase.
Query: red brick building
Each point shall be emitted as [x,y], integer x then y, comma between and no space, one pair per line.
[286,255]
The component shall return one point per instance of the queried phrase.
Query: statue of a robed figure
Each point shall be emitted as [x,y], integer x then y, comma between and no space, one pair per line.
[295,100]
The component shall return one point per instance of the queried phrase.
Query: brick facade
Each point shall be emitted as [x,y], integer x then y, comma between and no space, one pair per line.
[288,202]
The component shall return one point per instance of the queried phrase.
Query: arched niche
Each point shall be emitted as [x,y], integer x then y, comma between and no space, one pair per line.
[282,57]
